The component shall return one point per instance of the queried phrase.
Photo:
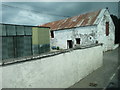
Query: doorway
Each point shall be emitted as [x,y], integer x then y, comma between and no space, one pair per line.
[69,44]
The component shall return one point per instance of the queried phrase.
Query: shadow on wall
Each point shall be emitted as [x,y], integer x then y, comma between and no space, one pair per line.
[116,21]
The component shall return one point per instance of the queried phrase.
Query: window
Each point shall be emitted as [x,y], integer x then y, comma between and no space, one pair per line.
[107,28]
[77,40]
[52,34]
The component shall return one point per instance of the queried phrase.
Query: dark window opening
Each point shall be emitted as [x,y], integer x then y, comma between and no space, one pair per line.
[52,34]
[77,40]
[107,28]
[69,43]
[96,42]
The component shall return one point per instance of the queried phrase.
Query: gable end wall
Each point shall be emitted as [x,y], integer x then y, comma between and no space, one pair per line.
[108,41]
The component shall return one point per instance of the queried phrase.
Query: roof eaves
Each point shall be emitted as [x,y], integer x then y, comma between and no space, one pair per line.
[74,27]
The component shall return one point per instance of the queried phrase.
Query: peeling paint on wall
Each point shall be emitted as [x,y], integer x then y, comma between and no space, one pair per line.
[108,41]
[88,34]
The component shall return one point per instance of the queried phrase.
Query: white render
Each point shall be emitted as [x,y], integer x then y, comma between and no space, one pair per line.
[88,34]
[59,71]
[108,41]
[84,33]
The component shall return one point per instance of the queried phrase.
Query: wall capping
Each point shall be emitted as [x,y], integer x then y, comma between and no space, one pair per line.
[37,57]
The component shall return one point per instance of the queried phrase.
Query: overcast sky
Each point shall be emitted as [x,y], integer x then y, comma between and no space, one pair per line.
[43,12]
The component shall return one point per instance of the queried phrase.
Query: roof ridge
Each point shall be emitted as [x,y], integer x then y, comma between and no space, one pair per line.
[74,16]
[74,21]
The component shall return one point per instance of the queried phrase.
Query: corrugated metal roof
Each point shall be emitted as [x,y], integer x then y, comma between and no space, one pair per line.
[76,21]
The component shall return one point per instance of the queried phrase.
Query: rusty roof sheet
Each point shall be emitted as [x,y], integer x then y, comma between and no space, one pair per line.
[76,21]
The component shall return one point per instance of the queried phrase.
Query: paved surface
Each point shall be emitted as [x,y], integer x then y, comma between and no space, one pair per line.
[104,77]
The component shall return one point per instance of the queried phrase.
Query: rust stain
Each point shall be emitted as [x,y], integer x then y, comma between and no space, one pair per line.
[76,21]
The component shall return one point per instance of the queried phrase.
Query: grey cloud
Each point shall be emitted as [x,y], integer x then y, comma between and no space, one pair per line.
[20,16]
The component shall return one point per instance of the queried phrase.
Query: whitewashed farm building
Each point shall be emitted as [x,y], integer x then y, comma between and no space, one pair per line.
[85,29]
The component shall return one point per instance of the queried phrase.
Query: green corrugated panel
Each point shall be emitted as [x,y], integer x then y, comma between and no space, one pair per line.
[44,37]
[27,45]
[0,48]
[40,36]
[10,47]
[35,40]
[20,30]
[28,30]
[20,46]
[11,31]
[40,40]
[4,48]
[7,47]
[2,30]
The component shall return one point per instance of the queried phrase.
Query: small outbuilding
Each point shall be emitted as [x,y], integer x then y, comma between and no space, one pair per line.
[21,41]
[86,29]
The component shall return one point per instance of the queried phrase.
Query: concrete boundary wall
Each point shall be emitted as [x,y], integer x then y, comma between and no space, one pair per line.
[59,71]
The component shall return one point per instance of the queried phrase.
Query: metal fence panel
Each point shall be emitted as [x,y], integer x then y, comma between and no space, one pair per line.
[28,30]
[10,46]
[19,46]
[20,30]
[27,45]
[0,49]
[4,48]
[2,30]
[11,30]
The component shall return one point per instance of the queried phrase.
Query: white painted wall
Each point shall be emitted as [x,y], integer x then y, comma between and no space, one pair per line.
[61,37]
[97,33]
[108,41]
[59,71]
[84,33]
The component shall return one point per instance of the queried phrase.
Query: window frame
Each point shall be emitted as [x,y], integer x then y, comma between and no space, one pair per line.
[107,28]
